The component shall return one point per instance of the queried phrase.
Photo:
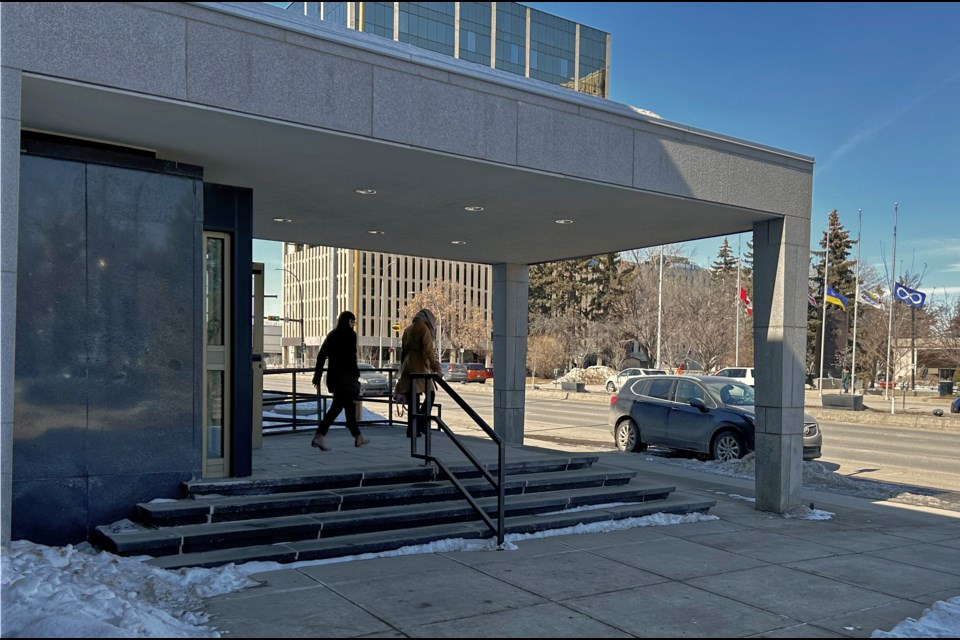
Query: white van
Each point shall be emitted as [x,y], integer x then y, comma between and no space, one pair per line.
[742,374]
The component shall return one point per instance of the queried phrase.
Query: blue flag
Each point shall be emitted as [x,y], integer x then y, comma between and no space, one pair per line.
[909,296]
[835,298]
[870,299]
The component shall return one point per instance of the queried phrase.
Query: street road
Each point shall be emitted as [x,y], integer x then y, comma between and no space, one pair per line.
[920,457]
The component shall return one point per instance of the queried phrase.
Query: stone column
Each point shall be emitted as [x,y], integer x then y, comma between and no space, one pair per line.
[511,284]
[9,212]
[781,250]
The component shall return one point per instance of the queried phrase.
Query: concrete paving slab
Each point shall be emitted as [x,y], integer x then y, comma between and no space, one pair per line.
[548,620]
[526,549]
[678,559]
[894,578]
[861,624]
[953,543]
[799,631]
[692,530]
[931,533]
[799,595]
[570,575]
[441,590]
[769,546]
[856,540]
[677,610]
[303,613]
[929,556]
[612,538]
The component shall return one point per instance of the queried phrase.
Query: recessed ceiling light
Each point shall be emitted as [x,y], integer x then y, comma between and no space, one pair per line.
[375,232]
[366,192]
[564,221]
[282,220]
[458,242]
[473,208]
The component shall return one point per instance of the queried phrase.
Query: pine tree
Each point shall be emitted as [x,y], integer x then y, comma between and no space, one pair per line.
[748,261]
[842,277]
[726,263]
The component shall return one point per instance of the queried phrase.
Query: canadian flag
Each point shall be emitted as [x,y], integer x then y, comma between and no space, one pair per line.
[745,299]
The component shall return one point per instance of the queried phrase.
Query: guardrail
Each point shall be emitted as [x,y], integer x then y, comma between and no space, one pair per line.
[308,405]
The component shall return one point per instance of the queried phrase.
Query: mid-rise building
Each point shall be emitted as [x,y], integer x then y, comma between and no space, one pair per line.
[321,282]
[503,35]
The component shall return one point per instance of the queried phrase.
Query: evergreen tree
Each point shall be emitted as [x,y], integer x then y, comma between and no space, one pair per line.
[837,244]
[748,260]
[726,263]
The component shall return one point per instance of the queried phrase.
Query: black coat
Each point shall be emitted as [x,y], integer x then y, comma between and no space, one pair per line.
[340,347]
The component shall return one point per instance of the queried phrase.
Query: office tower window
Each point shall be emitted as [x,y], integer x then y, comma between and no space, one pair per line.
[378,19]
[593,61]
[475,32]
[512,37]
[428,25]
[335,12]
[552,48]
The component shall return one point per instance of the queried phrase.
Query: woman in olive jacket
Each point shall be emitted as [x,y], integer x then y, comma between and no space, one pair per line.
[418,355]
[343,379]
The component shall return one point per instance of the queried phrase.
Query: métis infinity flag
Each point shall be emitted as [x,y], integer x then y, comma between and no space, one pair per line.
[909,296]
[833,297]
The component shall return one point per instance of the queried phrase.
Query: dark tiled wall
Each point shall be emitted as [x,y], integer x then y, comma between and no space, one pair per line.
[106,397]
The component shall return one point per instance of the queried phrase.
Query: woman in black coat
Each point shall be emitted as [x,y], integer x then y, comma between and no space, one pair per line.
[343,379]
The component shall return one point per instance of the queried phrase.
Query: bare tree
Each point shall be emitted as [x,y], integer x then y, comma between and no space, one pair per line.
[447,306]
[544,353]
[475,332]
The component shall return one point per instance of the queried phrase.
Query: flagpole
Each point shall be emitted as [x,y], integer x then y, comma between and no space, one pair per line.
[893,280]
[823,323]
[856,308]
[736,306]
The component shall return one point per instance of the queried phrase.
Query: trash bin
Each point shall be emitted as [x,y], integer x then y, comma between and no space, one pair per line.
[945,387]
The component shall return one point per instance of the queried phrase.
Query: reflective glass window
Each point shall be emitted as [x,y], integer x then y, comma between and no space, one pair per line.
[511,37]
[593,61]
[475,20]
[552,48]
[335,12]
[428,25]
[378,19]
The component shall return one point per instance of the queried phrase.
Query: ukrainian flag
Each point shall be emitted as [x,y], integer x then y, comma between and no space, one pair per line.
[835,298]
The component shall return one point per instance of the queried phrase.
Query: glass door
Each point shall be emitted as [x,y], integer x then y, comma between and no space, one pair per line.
[216,355]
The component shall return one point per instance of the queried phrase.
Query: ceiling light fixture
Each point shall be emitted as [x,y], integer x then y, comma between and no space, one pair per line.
[473,208]
[375,232]
[458,242]
[282,220]
[564,221]
[366,192]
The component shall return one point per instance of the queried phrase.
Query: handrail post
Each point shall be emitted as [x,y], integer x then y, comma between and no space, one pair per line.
[294,400]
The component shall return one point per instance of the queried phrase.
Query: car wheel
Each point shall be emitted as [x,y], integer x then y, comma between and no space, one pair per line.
[612,388]
[727,446]
[628,437]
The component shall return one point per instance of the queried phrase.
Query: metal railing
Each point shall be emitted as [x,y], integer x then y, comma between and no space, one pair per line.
[413,418]
[283,394]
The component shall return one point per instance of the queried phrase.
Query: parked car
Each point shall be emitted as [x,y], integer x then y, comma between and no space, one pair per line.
[711,415]
[453,372]
[372,382]
[955,405]
[489,371]
[613,382]
[740,374]
[476,372]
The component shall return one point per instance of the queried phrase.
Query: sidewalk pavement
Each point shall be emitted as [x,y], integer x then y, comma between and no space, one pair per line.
[747,574]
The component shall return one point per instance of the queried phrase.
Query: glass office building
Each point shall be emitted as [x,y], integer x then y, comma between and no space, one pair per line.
[503,35]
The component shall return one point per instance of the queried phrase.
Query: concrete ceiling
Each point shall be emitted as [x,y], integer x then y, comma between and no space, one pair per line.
[309,176]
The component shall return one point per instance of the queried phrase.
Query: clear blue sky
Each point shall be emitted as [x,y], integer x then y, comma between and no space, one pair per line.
[871,91]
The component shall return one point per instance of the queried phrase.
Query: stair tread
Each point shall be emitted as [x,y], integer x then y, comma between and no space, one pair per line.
[396,538]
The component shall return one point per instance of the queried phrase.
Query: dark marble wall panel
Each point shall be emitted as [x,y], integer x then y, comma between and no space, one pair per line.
[114,498]
[50,395]
[141,280]
[50,510]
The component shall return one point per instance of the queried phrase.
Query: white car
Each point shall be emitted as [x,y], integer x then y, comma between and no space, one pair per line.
[741,374]
[613,382]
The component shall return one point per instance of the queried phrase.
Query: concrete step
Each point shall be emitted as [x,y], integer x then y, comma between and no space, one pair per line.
[380,541]
[141,539]
[374,476]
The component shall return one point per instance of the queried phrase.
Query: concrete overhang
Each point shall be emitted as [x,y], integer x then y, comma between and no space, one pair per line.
[677,185]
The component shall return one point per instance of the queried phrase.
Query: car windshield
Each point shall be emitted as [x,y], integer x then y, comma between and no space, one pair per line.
[731,393]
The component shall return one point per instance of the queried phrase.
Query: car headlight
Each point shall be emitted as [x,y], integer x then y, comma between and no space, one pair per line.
[810,429]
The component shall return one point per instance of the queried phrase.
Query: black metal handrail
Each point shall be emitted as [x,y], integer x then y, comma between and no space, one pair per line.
[428,457]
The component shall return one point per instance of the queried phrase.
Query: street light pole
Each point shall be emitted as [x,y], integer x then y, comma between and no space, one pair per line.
[382,327]
[300,286]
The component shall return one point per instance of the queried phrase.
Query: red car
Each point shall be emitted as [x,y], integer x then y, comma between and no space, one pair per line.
[476,372]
